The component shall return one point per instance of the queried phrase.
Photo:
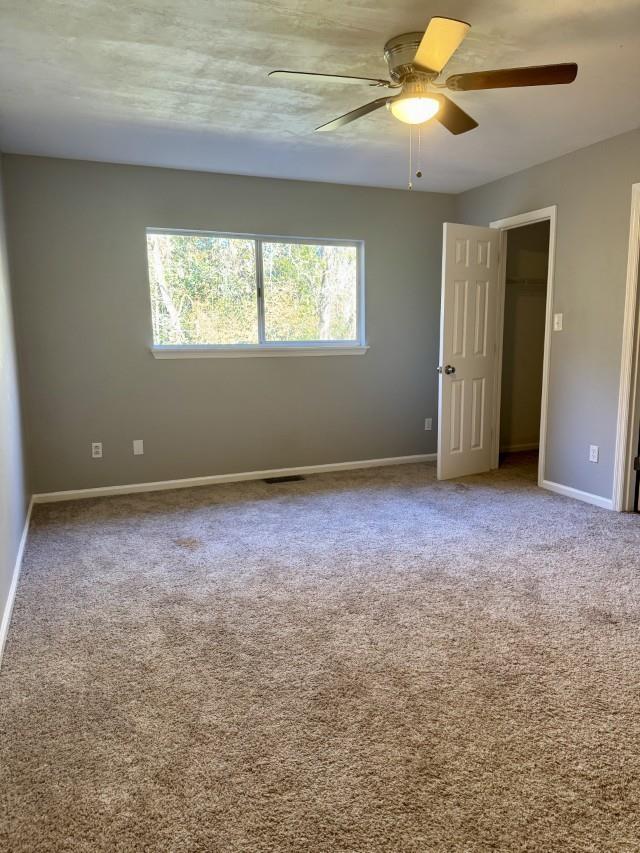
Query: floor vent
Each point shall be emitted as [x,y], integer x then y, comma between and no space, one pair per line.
[293,478]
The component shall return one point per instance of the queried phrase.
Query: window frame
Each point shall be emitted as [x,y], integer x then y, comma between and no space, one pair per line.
[357,346]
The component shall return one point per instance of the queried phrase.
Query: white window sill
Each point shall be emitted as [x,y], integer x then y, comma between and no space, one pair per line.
[256,352]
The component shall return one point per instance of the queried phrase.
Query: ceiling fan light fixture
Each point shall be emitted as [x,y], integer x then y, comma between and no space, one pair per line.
[417,103]
[415,109]
[415,61]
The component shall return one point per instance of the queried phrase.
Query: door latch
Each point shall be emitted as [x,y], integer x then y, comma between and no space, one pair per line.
[448,369]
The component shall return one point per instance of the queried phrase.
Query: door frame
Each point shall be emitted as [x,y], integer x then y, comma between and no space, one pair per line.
[629,397]
[543,214]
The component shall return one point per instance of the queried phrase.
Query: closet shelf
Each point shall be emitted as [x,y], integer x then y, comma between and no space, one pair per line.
[533,281]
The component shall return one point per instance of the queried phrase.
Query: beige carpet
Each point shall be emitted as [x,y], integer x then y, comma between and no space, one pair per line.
[368,661]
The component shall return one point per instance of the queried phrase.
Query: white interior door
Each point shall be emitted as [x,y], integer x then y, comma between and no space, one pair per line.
[467,349]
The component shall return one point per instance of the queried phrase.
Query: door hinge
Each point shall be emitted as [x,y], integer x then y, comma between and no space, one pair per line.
[636,463]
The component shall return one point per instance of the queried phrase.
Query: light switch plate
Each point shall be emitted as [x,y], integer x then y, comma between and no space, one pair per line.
[138,447]
[594,453]
[557,322]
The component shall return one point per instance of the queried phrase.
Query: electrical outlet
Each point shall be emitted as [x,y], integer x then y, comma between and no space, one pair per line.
[428,423]
[557,322]
[96,449]
[594,453]
[138,447]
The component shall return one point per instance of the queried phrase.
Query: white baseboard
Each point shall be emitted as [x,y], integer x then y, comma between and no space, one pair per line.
[516,448]
[8,607]
[586,497]
[216,479]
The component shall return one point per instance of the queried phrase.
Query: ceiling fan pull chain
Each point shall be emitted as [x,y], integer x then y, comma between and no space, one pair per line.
[419,170]
[410,187]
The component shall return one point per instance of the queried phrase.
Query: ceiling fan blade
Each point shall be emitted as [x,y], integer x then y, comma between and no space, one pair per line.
[453,118]
[440,41]
[353,115]
[330,78]
[506,78]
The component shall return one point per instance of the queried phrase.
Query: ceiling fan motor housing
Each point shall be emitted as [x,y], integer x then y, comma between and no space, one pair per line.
[399,53]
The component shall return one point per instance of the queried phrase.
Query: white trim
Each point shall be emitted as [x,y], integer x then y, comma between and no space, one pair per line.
[516,448]
[252,235]
[217,479]
[255,352]
[8,607]
[540,215]
[628,404]
[585,497]
[528,218]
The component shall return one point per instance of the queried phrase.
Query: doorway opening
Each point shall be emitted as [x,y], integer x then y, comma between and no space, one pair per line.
[523,335]
[523,328]
[474,273]
[626,478]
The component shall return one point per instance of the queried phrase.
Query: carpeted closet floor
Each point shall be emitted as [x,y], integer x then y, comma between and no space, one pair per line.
[365,661]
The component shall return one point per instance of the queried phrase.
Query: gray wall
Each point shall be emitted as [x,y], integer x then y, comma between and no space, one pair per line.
[82,304]
[592,188]
[523,339]
[13,497]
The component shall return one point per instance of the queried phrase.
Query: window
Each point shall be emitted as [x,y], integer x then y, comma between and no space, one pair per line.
[231,294]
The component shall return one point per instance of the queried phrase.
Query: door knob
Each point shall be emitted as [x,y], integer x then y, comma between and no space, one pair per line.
[448,369]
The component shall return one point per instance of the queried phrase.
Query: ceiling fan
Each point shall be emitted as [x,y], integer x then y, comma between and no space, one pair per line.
[415,61]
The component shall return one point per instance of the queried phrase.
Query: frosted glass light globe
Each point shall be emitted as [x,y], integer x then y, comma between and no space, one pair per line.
[415,110]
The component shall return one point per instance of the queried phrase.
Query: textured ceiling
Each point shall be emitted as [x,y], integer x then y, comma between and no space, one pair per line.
[183,83]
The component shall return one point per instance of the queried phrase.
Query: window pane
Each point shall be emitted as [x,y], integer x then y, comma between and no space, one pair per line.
[310,292]
[203,289]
